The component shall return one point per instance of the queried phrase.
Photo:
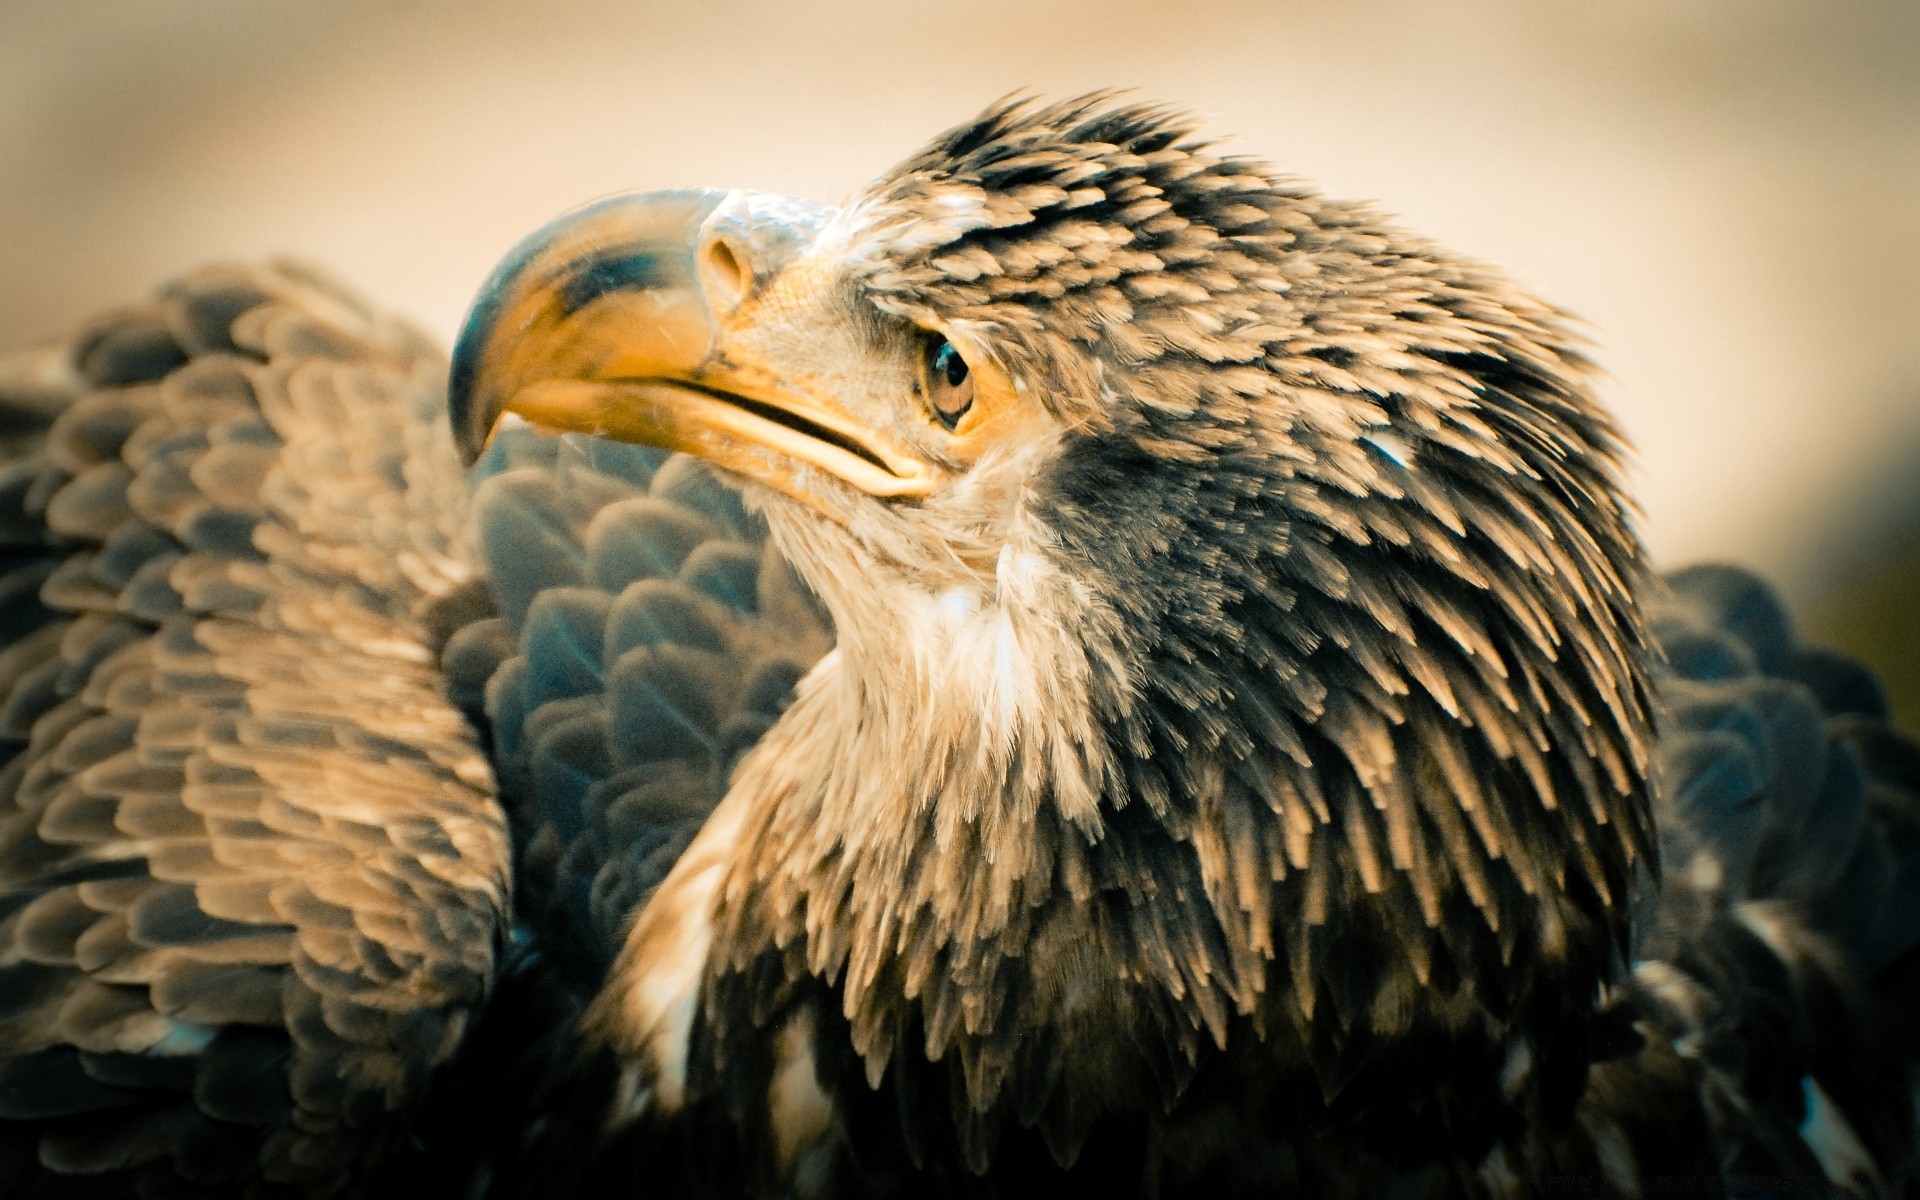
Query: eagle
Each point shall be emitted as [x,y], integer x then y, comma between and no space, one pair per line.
[1090,665]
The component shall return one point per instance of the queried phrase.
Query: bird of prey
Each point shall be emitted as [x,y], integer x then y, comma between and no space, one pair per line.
[1091,664]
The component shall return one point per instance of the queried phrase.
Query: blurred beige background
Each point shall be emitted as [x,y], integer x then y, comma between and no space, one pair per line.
[1727,190]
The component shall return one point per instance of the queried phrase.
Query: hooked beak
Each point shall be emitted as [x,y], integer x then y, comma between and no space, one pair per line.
[614,319]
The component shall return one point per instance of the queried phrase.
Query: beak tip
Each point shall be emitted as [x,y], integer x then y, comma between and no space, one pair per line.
[469,454]
[469,440]
[470,413]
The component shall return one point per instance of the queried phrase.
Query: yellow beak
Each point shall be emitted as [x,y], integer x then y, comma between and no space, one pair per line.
[612,321]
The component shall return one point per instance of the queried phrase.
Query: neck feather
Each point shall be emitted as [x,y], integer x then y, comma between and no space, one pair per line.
[933,764]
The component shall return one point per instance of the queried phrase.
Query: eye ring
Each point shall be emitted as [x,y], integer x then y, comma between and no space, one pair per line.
[947,382]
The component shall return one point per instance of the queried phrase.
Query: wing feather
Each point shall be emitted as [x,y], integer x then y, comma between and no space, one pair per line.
[253,878]
[648,635]
[1779,953]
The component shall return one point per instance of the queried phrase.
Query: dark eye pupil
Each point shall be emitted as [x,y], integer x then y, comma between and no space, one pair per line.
[948,382]
[947,361]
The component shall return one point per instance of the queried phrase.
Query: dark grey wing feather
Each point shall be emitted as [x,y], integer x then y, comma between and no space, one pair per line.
[648,634]
[1778,956]
[252,872]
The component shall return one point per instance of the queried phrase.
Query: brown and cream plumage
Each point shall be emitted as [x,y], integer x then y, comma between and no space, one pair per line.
[1152,685]
[254,876]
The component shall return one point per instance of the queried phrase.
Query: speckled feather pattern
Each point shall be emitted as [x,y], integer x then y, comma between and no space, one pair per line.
[1374,715]
[1295,783]
[253,879]
[1333,554]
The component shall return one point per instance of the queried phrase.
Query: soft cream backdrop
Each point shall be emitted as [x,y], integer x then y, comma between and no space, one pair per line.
[1727,190]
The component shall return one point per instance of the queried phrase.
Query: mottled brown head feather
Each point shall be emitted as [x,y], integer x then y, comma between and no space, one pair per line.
[1323,588]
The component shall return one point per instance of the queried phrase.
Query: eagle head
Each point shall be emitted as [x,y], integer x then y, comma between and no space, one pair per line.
[1239,691]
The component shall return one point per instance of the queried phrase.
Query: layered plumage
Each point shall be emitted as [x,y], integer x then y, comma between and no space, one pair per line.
[255,881]
[1243,753]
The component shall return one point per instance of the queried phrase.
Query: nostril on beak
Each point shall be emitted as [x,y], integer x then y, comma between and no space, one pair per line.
[725,271]
[749,238]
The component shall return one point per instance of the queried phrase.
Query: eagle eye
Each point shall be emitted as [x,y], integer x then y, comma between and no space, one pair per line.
[948,382]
